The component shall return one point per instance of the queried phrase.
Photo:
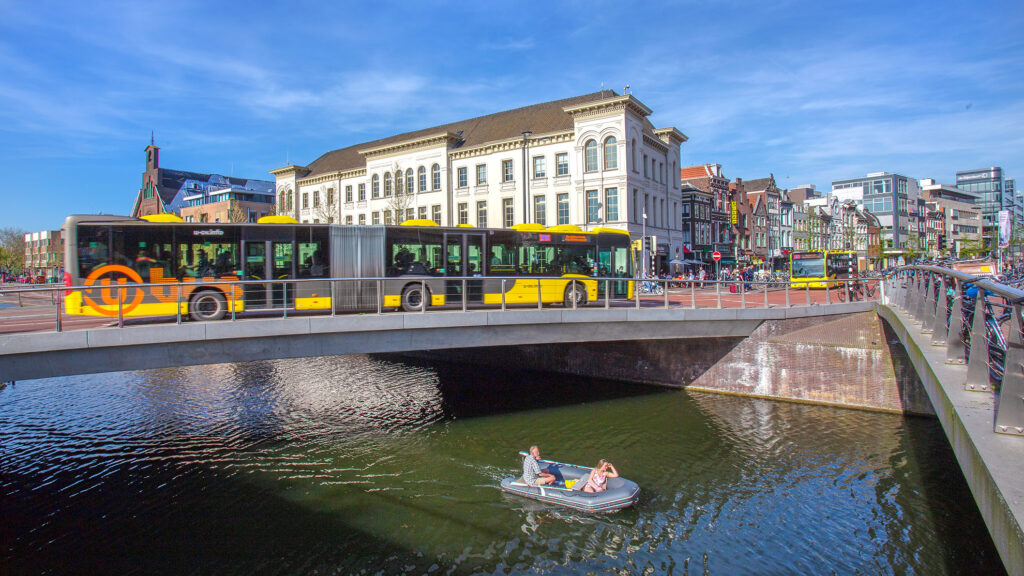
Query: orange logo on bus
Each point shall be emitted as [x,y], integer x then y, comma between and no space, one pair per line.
[121,275]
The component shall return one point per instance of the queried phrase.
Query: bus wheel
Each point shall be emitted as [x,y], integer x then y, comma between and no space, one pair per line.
[574,291]
[412,298]
[207,305]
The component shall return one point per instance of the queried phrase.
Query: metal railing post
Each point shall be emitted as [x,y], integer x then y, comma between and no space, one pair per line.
[766,294]
[231,302]
[503,295]
[334,310]
[60,295]
[1010,404]
[284,299]
[940,329]
[423,297]
[718,292]
[178,308]
[807,291]
[693,295]
[787,295]
[463,294]
[828,293]
[846,287]
[636,286]
[665,291]
[120,306]
[929,305]
[607,290]
[922,297]
[574,289]
[380,298]
[743,295]
[956,351]
[977,366]
[540,299]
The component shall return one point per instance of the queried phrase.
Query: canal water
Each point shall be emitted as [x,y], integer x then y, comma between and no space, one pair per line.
[358,464]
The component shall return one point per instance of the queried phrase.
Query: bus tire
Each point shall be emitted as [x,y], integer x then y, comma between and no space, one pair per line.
[413,298]
[577,291]
[207,305]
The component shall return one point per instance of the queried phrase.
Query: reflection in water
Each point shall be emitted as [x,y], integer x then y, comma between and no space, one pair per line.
[375,464]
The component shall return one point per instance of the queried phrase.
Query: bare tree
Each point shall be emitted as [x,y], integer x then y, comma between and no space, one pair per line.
[236,213]
[403,199]
[12,249]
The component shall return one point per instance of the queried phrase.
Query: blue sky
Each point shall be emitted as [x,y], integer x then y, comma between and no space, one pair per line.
[810,91]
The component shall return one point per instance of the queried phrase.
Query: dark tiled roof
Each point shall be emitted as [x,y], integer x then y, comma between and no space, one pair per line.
[539,118]
[172,180]
[757,184]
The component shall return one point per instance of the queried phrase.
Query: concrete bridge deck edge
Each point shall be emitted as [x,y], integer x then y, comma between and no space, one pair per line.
[992,464]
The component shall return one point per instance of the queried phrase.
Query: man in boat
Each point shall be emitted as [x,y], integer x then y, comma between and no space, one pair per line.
[532,472]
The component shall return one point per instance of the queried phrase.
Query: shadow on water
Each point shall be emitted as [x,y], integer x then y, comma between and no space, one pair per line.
[925,452]
[171,539]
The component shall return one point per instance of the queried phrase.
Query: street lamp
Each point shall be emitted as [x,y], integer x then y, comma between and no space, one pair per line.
[643,242]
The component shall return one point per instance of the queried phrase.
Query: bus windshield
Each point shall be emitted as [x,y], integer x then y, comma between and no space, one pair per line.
[809,267]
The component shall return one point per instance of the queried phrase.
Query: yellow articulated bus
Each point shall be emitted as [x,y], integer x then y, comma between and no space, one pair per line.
[821,269]
[560,264]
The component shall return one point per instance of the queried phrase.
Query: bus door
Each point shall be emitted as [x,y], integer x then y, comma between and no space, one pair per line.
[282,266]
[269,260]
[464,254]
[256,295]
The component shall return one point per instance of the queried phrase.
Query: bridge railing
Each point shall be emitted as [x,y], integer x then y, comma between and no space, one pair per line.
[44,306]
[978,321]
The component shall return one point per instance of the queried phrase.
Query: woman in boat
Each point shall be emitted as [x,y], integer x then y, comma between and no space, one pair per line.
[597,480]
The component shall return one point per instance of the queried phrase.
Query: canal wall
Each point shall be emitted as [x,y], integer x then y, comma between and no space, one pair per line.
[847,360]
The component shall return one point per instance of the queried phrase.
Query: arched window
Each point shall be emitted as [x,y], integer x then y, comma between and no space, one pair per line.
[611,153]
[291,200]
[376,185]
[398,183]
[281,202]
[410,184]
[422,173]
[634,154]
[591,155]
[387,184]
[435,177]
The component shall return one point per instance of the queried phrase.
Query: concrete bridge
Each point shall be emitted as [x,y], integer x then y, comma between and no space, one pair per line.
[672,341]
[107,349]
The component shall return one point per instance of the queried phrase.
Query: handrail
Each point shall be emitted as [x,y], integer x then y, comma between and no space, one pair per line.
[971,332]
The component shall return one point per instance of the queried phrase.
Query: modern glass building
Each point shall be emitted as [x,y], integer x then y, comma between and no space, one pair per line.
[988,184]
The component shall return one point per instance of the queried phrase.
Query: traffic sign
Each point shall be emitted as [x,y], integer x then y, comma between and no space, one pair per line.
[716,256]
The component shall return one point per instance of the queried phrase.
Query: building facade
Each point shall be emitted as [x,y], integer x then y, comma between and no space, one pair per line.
[698,236]
[988,185]
[595,161]
[961,216]
[166,191]
[44,253]
[710,179]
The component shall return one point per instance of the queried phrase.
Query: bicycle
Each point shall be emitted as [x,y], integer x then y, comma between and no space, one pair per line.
[649,287]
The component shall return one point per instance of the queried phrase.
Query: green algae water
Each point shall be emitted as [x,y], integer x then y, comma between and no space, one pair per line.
[378,465]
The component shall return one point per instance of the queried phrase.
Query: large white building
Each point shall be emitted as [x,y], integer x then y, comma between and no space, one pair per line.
[593,161]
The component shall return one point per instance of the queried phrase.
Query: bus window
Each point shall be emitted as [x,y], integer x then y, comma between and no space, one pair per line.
[576,259]
[145,250]
[312,262]
[501,258]
[199,257]
[416,253]
[93,248]
[474,255]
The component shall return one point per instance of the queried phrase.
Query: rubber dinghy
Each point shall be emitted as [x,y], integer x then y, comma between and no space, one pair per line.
[621,493]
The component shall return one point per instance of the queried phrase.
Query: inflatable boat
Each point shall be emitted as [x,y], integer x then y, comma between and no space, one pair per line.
[568,489]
